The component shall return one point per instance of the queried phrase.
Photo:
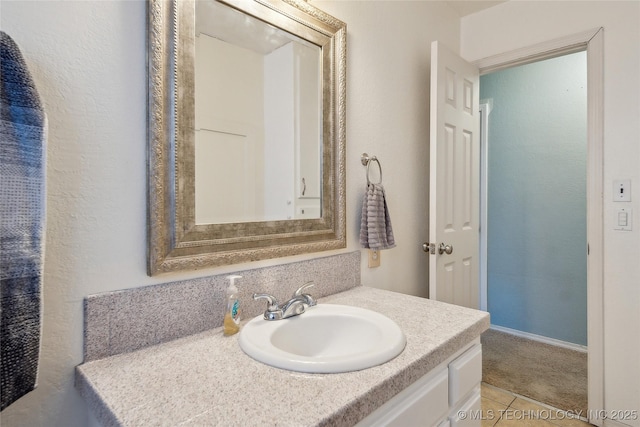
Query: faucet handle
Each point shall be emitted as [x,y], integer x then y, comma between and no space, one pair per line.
[273,310]
[300,292]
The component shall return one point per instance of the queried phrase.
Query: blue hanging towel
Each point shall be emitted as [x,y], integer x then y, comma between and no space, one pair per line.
[22,223]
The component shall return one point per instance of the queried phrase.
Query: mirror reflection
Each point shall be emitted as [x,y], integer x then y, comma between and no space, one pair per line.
[258,120]
[257,88]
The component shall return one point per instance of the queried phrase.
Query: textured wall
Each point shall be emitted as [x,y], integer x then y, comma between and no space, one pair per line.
[88,61]
[388,75]
[537,262]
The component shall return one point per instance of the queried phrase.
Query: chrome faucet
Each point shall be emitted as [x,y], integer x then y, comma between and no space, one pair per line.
[307,299]
[294,307]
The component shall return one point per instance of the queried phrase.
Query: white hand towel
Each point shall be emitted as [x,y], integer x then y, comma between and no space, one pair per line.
[375,228]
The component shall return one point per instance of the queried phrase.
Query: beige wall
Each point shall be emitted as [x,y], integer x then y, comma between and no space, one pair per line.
[388,75]
[88,60]
[518,24]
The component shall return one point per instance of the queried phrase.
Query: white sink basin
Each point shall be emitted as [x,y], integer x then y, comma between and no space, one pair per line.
[327,338]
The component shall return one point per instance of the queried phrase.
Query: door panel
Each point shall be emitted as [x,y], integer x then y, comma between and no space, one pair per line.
[454,178]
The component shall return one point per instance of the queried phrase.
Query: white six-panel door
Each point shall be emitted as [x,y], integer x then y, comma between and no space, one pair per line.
[454,179]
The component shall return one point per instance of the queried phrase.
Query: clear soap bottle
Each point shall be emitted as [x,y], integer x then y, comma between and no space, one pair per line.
[231,323]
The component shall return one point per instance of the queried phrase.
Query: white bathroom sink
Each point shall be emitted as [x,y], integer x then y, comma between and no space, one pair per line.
[327,338]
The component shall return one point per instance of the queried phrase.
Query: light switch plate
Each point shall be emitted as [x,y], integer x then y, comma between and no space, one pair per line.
[622,190]
[374,258]
[623,220]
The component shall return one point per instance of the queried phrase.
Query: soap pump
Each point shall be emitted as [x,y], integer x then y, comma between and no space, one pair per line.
[232,314]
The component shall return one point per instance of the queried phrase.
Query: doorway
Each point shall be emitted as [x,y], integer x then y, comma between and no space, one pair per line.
[592,42]
[533,232]
[535,198]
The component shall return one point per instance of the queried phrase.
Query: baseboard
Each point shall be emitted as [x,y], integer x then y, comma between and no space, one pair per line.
[540,338]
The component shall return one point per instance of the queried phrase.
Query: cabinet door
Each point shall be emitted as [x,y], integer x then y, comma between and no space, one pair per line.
[465,373]
[470,413]
[421,404]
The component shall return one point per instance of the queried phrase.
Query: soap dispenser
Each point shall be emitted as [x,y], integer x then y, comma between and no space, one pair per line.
[232,314]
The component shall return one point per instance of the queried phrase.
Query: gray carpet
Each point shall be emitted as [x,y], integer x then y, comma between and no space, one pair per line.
[548,374]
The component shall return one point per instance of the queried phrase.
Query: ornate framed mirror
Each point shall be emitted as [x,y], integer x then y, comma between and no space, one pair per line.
[246,132]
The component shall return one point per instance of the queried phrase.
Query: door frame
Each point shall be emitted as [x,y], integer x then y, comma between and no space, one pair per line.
[485,110]
[592,42]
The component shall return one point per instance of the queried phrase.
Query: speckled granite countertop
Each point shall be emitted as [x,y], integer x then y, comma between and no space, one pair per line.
[207,380]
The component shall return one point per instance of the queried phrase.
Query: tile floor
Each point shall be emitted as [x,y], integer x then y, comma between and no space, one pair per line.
[501,408]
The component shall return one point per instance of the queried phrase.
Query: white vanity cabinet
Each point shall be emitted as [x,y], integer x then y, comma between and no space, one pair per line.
[448,396]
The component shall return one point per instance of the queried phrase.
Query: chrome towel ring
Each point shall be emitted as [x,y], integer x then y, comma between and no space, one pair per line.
[366,161]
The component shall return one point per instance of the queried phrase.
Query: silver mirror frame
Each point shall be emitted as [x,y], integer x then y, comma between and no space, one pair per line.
[175,242]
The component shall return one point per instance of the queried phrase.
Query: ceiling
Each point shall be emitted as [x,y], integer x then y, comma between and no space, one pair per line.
[467,7]
[225,23]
